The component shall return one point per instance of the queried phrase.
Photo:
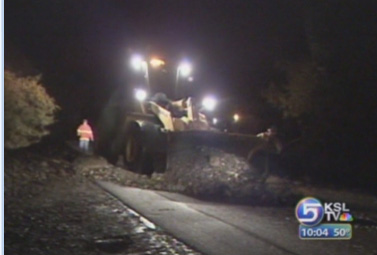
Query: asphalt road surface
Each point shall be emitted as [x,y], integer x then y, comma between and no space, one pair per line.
[220,229]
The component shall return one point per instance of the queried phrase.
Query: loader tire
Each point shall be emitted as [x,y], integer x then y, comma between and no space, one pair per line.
[135,157]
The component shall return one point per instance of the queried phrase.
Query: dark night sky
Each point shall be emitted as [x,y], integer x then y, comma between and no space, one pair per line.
[83,46]
[88,41]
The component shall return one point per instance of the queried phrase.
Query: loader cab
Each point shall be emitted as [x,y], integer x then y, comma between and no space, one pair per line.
[179,115]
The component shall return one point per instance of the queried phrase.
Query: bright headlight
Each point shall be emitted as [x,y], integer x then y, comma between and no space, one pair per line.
[209,103]
[140,94]
[184,69]
[137,62]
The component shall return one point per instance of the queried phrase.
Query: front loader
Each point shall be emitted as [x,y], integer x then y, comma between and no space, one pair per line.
[175,137]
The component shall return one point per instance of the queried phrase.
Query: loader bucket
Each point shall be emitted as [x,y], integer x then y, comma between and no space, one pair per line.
[211,163]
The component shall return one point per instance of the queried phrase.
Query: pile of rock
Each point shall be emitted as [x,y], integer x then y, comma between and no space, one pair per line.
[212,173]
[207,173]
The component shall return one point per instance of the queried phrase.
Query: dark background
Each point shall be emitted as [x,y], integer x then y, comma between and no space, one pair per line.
[82,48]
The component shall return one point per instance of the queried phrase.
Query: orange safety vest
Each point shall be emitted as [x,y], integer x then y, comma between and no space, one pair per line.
[85,132]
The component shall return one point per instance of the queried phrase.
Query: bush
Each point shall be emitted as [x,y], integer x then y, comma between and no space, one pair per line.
[28,110]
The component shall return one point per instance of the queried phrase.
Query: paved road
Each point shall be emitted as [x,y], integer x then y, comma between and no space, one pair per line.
[228,229]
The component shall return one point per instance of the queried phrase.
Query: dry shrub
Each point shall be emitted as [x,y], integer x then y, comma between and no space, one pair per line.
[28,110]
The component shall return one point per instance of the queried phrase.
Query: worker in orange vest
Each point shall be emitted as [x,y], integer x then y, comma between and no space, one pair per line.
[85,133]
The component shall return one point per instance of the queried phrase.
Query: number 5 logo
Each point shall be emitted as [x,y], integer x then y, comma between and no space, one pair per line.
[309,211]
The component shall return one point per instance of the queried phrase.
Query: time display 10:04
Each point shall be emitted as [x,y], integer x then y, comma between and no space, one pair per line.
[326,231]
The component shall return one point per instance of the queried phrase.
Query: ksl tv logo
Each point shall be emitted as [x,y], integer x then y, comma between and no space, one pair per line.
[310,212]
